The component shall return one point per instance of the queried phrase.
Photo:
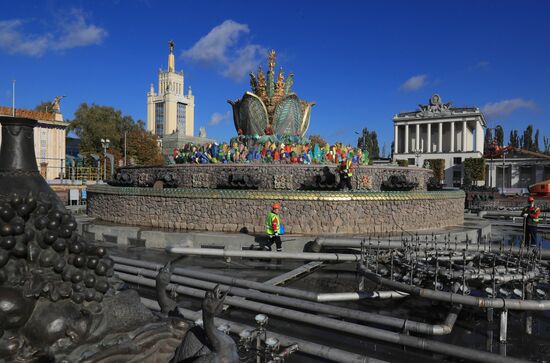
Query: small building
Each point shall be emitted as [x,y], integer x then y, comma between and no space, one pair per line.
[439,131]
[517,169]
[170,110]
[49,139]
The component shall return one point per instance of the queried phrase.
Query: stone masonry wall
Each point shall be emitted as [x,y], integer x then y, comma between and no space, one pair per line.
[270,176]
[376,213]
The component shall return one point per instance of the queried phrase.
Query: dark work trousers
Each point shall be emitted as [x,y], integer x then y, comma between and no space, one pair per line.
[531,235]
[345,181]
[274,239]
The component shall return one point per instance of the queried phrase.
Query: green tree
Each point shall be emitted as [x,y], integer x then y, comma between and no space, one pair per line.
[438,167]
[44,106]
[317,139]
[95,122]
[369,140]
[536,142]
[499,135]
[474,168]
[514,139]
[527,143]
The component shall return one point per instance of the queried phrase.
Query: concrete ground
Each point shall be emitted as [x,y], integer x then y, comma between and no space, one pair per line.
[473,229]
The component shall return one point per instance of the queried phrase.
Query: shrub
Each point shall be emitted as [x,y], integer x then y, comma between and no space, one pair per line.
[404,163]
[474,168]
[438,167]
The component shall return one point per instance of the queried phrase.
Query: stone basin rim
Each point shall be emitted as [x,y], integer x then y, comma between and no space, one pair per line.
[279,194]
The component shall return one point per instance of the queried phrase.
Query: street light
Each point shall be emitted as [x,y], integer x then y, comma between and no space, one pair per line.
[105,145]
[491,152]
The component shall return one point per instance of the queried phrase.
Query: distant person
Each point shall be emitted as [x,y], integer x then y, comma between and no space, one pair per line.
[531,215]
[273,228]
[345,171]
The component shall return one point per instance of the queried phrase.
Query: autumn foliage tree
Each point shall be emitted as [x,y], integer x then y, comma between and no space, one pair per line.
[95,122]
[142,148]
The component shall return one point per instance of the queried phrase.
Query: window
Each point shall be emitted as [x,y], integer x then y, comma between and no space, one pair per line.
[457,161]
[457,178]
[159,118]
[181,117]
[43,144]
[412,161]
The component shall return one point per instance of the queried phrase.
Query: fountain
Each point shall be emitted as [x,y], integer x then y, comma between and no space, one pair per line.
[213,192]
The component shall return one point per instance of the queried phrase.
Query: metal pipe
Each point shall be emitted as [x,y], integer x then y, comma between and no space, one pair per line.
[260,286]
[314,349]
[228,280]
[503,325]
[511,304]
[310,256]
[410,325]
[346,327]
[468,247]
[359,295]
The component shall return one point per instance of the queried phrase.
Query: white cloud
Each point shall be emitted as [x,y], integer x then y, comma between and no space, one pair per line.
[217,117]
[78,33]
[214,45]
[414,83]
[223,47]
[14,41]
[69,32]
[506,107]
[246,61]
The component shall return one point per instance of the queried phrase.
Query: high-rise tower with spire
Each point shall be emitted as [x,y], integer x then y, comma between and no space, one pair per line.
[170,109]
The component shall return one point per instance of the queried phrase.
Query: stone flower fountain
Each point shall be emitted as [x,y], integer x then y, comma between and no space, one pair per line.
[271,108]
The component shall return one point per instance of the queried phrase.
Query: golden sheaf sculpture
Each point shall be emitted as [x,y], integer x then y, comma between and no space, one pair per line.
[271,108]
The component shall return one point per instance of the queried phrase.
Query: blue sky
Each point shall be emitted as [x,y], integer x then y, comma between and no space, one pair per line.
[361,62]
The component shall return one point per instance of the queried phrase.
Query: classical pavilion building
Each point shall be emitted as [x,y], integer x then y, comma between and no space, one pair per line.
[170,109]
[439,131]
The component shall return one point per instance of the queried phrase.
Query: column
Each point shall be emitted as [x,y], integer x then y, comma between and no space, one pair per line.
[429,147]
[493,171]
[406,138]
[479,137]
[440,141]
[452,137]
[464,131]
[417,136]
[396,139]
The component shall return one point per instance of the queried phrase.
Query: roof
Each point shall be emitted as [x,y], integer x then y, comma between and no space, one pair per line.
[19,112]
[453,112]
[436,109]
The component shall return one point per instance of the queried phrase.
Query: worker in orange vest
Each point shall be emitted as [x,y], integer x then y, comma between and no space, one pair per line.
[531,219]
[273,228]
[345,170]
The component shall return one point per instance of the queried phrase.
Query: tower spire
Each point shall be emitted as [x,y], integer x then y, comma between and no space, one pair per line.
[171,61]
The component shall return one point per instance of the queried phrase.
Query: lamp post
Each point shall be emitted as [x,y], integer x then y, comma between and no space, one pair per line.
[105,145]
[504,171]
[125,133]
[13,98]
[491,153]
